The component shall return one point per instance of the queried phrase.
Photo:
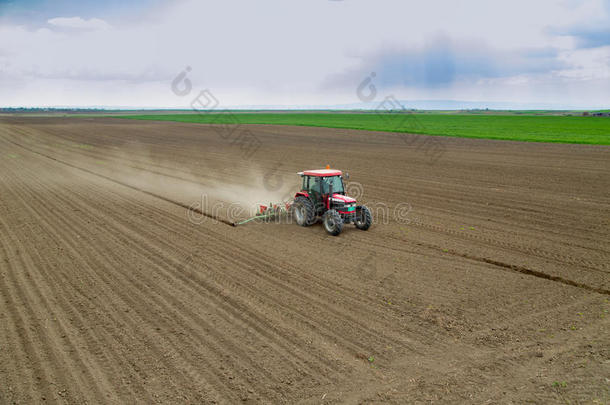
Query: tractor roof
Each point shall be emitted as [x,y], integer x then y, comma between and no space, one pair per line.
[320,173]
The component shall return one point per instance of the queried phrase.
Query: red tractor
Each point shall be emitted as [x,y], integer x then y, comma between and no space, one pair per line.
[323,196]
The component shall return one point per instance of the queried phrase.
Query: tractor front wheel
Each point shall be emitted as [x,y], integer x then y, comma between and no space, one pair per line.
[333,222]
[303,211]
[364,219]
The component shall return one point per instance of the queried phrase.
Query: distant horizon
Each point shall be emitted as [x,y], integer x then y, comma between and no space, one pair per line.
[110,109]
[296,109]
[417,105]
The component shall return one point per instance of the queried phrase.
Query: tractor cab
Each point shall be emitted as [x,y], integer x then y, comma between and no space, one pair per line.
[323,195]
[318,185]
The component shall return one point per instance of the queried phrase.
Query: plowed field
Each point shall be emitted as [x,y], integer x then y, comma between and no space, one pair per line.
[485,277]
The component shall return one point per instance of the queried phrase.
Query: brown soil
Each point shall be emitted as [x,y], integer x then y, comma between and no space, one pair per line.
[483,280]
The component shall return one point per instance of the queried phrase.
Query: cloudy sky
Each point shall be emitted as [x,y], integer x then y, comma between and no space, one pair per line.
[118,53]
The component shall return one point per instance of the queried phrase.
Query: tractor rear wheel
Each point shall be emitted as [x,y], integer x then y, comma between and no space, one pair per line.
[333,223]
[303,211]
[364,219]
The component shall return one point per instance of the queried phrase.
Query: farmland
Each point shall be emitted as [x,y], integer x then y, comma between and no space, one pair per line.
[484,278]
[530,128]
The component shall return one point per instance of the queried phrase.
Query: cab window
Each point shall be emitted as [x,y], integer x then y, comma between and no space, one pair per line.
[314,185]
[336,183]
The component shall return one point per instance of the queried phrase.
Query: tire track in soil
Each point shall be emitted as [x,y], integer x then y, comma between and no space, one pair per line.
[178,203]
[60,284]
[67,202]
[75,230]
[275,270]
[131,303]
[39,344]
[24,350]
[557,257]
[258,293]
[448,193]
[27,289]
[531,251]
[492,242]
[527,271]
[168,274]
[155,254]
[117,160]
[515,268]
[230,255]
[58,335]
[13,355]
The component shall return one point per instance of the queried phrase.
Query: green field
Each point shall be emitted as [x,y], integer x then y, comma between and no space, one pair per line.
[530,128]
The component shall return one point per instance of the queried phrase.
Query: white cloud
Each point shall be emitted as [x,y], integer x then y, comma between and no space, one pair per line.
[278,52]
[587,64]
[79,23]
